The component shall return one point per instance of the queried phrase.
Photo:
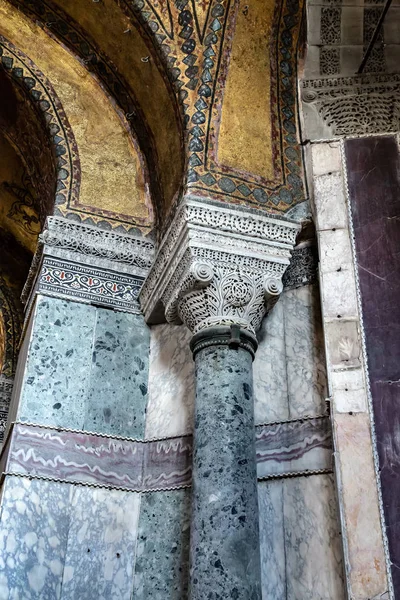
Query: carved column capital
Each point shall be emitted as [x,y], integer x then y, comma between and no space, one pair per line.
[218,265]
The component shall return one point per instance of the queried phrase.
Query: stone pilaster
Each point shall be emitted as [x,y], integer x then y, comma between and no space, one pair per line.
[218,270]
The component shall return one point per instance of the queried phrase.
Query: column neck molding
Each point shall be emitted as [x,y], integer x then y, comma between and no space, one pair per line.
[218,266]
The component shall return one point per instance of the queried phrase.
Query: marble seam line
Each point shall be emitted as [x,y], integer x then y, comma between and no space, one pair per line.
[366,369]
[288,475]
[155,439]
[96,485]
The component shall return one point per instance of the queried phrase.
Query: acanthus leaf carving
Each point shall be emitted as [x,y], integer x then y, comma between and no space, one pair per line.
[218,266]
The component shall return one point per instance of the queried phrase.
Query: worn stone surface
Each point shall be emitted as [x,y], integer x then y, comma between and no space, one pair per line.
[359,498]
[224,543]
[117,394]
[87,368]
[162,563]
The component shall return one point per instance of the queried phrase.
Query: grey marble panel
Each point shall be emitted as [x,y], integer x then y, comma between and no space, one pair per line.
[55,382]
[161,570]
[101,547]
[117,394]
[33,538]
[269,370]
[305,360]
[314,564]
[272,540]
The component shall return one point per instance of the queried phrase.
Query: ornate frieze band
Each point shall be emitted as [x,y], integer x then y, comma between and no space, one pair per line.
[283,449]
[218,266]
[89,264]
[63,278]
[92,241]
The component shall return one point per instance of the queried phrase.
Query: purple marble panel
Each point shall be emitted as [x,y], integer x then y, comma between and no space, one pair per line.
[297,446]
[374,186]
[167,463]
[75,457]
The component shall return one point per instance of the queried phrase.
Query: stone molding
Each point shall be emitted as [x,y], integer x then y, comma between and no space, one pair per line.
[71,280]
[218,265]
[343,106]
[115,264]
[6,387]
[283,449]
[93,241]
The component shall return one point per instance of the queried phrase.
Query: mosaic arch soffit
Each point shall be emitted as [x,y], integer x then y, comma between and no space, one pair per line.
[202,41]
[192,42]
[119,53]
[39,93]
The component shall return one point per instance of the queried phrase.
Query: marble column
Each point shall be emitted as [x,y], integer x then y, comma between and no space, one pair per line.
[225,550]
[218,270]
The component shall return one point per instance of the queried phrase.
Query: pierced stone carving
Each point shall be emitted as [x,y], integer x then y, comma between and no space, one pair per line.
[329,61]
[218,266]
[352,105]
[94,241]
[330,25]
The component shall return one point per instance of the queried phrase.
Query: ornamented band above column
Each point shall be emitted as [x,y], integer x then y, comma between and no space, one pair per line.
[89,264]
[218,266]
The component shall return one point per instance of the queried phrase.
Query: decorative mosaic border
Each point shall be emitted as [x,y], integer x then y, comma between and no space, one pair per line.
[71,280]
[53,19]
[283,450]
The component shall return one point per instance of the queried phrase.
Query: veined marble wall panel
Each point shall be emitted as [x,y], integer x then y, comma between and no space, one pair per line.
[269,370]
[301,554]
[171,382]
[305,359]
[288,370]
[33,538]
[87,369]
[162,563]
[59,541]
[101,548]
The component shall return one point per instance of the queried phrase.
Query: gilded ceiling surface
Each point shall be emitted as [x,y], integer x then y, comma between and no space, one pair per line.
[106,168]
[155,98]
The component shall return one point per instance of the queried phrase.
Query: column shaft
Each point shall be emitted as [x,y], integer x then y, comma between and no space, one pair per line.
[225,555]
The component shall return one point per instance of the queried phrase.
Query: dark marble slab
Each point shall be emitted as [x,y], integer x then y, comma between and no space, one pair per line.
[374,186]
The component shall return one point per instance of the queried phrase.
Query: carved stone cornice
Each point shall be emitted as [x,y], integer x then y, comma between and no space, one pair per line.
[93,241]
[89,264]
[217,265]
[342,106]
